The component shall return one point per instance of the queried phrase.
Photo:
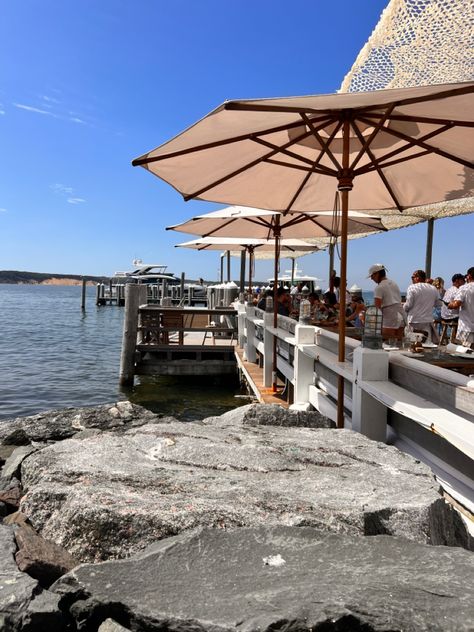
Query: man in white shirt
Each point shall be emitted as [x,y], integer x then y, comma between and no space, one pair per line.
[464,301]
[421,299]
[387,298]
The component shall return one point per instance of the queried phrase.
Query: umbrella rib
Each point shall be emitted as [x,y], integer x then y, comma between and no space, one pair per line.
[375,162]
[400,150]
[324,145]
[308,175]
[229,176]
[286,152]
[366,143]
[390,163]
[319,169]
[419,143]
[218,143]
[422,119]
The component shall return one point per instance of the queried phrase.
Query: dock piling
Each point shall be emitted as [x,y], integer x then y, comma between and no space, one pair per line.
[135,295]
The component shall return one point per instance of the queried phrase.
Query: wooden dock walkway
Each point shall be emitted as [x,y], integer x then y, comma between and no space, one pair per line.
[253,374]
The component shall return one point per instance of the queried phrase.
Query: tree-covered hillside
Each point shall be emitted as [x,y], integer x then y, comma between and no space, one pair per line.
[18,276]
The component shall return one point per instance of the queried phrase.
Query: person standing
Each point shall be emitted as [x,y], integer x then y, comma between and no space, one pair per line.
[450,316]
[464,301]
[421,300]
[387,298]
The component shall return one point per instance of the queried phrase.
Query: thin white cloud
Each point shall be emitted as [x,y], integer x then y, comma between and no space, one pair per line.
[50,99]
[3,210]
[74,119]
[30,108]
[61,189]
[2,112]
[75,200]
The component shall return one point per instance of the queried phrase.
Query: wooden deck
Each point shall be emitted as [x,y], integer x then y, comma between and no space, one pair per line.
[254,376]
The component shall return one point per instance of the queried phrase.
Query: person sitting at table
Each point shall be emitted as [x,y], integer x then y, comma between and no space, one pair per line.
[464,301]
[357,307]
[284,302]
[262,303]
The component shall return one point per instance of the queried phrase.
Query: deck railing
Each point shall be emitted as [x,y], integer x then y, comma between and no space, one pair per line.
[423,409]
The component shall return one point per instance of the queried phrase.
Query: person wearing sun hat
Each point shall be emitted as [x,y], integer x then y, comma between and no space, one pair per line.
[387,297]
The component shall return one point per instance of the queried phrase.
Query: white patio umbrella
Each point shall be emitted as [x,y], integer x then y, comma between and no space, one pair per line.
[293,248]
[241,220]
[392,149]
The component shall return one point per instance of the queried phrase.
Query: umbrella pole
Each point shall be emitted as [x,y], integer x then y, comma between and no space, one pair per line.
[276,235]
[293,271]
[251,264]
[344,186]
[242,271]
[429,247]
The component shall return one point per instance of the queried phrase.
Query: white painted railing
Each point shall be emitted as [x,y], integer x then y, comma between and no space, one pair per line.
[423,409]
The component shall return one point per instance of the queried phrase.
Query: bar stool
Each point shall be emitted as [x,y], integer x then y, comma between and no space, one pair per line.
[445,325]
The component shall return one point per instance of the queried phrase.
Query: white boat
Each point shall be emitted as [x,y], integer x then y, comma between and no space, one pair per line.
[148,273]
[311,282]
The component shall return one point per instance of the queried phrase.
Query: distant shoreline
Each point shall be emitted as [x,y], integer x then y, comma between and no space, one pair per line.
[17,277]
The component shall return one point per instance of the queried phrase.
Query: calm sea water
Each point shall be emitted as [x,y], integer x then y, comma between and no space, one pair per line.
[54,355]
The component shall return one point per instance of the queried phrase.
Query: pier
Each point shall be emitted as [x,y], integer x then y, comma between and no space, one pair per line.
[421,406]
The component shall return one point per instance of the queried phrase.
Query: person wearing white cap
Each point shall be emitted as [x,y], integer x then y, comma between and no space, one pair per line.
[387,297]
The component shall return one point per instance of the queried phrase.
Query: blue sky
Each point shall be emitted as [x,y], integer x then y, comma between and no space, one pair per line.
[87,86]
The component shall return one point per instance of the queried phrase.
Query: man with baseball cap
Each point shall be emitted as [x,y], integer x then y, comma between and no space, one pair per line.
[387,298]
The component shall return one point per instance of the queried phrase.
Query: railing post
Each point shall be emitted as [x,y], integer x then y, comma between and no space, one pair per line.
[241,313]
[250,351]
[134,296]
[369,417]
[303,365]
[267,349]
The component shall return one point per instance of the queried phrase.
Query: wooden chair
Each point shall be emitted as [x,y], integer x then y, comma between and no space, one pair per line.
[172,320]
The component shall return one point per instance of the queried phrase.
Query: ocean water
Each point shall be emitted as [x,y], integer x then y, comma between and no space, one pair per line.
[54,355]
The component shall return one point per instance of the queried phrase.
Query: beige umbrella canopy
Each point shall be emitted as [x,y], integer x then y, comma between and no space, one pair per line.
[256,248]
[241,220]
[392,149]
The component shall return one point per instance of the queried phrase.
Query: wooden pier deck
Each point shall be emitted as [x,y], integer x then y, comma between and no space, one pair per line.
[254,376]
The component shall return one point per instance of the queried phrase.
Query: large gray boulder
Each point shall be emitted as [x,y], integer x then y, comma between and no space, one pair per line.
[280,578]
[272,415]
[56,425]
[112,494]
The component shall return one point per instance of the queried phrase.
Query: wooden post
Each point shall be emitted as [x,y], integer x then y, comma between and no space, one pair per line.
[242,271]
[181,288]
[135,294]
[429,247]
[83,298]
[221,279]
[97,294]
[293,261]
[331,267]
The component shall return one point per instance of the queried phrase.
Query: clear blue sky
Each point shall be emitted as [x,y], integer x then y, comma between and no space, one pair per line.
[87,86]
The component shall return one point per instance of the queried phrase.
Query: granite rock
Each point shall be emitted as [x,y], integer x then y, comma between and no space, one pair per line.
[110,495]
[13,463]
[280,578]
[271,415]
[57,425]
[17,589]
[42,559]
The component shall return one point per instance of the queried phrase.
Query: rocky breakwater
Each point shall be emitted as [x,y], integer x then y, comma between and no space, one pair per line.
[109,482]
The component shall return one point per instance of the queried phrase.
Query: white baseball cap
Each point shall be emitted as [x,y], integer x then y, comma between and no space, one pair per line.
[377,267]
